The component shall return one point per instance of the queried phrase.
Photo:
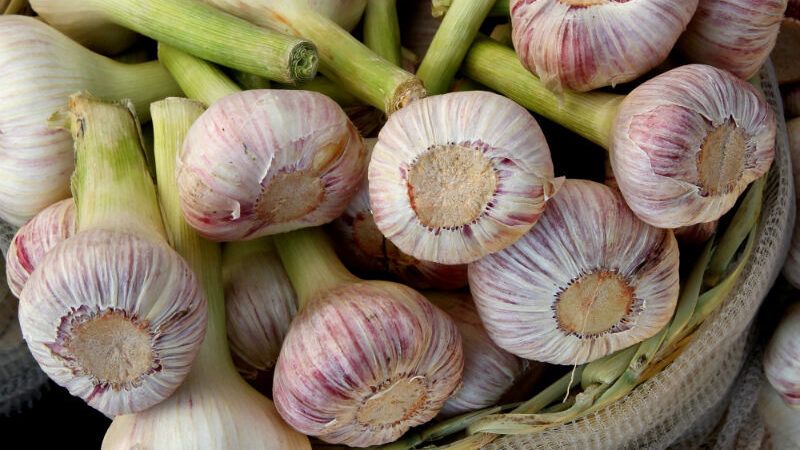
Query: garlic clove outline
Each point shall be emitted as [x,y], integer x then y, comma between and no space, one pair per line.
[54,224]
[589,279]
[457,176]
[264,162]
[582,45]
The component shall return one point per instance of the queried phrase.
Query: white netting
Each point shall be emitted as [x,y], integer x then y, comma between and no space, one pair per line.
[21,380]
[691,390]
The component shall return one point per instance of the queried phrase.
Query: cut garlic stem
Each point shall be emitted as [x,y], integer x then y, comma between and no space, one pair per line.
[458,176]
[198,79]
[682,154]
[113,313]
[382,30]
[364,360]
[214,408]
[201,30]
[589,279]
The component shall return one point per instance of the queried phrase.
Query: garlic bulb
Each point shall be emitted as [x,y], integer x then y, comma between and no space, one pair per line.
[113,313]
[782,422]
[784,54]
[82,23]
[364,249]
[589,279]
[581,45]
[695,234]
[214,408]
[268,161]
[735,35]
[39,69]
[791,268]
[195,28]
[364,360]
[782,358]
[458,176]
[489,371]
[681,152]
[260,304]
[33,240]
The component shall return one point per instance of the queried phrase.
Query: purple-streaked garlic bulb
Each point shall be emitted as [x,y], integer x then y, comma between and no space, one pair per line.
[581,45]
[782,358]
[589,279]
[364,249]
[682,152]
[696,234]
[259,302]
[113,313]
[489,371]
[791,268]
[264,162]
[457,176]
[364,361]
[39,69]
[787,47]
[735,35]
[81,22]
[33,240]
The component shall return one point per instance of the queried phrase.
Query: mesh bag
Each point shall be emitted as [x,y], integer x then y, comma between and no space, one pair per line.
[688,398]
[21,380]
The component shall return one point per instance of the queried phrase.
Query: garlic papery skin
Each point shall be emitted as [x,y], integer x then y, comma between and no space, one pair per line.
[39,69]
[784,54]
[82,23]
[589,279]
[268,161]
[782,358]
[214,409]
[54,224]
[364,360]
[696,234]
[457,176]
[489,371]
[683,153]
[791,268]
[260,304]
[735,35]
[581,45]
[365,250]
[781,421]
[113,313]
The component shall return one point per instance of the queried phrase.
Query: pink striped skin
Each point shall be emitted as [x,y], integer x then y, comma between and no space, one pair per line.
[243,143]
[489,371]
[660,131]
[99,273]
[347,350]
[260,304]
[506,138]
[586,229]
[735,35]
[582,45]
[54,224]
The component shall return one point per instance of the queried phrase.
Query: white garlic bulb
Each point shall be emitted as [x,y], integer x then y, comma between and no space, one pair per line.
[782,358]
[589,279]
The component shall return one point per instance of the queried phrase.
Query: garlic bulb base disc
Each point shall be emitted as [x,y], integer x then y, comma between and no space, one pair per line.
[290,196]
[394,404]
[594,304]
[721,160]
[109,346]
[451,185]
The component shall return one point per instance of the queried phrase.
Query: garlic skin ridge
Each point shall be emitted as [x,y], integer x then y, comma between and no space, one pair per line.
[782,358]
[263,162]
[260,304]
[33,240]
[674,112]
[735,35]
[581,46]
[168,309]
[531,296]
[485,152]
